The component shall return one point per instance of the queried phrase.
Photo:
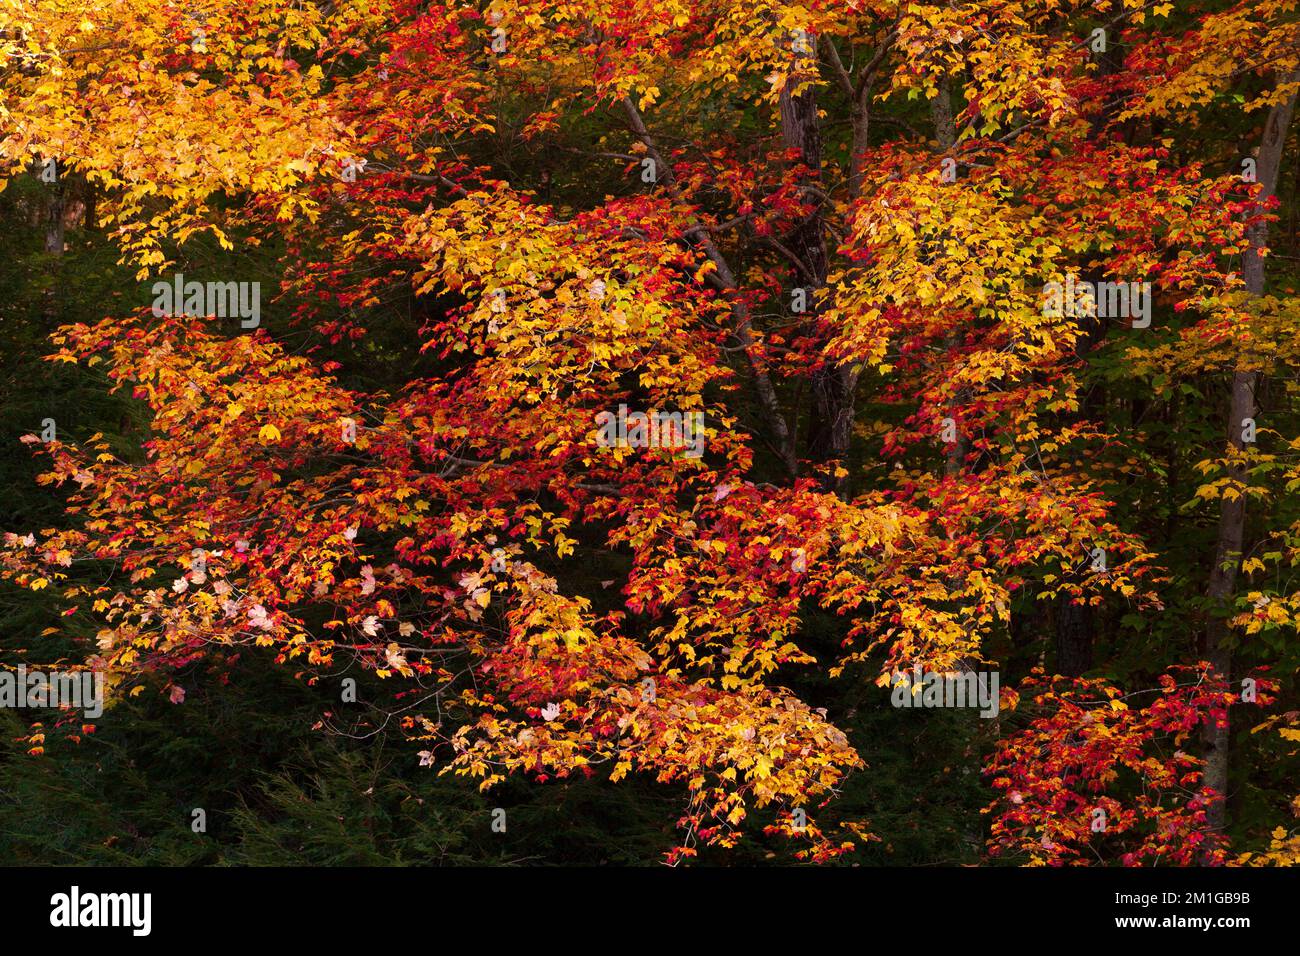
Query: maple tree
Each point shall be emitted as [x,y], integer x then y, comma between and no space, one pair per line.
[828,231]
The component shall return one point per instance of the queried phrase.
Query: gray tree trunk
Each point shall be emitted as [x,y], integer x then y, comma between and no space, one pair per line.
[1232,513]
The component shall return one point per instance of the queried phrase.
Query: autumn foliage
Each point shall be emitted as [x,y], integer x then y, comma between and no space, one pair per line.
[824,227]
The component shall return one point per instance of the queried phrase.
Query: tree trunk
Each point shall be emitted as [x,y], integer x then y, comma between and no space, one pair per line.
[1232,513]
[54,242]
[54,232]
[1074,637]
[831,426]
